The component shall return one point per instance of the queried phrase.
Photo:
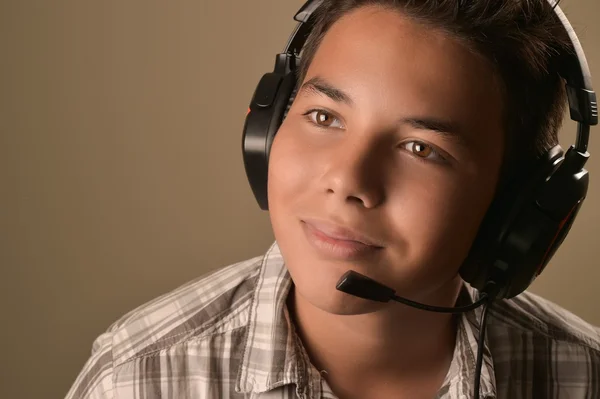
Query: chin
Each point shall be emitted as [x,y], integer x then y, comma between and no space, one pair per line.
[341,304]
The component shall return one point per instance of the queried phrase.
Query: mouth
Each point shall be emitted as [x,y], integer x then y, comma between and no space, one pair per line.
[338,242]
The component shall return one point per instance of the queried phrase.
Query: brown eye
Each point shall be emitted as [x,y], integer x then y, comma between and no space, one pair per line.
[323,119]
[421,150]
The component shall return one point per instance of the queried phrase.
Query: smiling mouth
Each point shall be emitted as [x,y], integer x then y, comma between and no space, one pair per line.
[338,243]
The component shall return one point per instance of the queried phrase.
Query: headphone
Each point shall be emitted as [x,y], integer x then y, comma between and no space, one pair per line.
[524,225]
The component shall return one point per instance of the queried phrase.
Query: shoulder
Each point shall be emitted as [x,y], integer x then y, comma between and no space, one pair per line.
[215,305]
[542,349]
[211,304]
[532,315]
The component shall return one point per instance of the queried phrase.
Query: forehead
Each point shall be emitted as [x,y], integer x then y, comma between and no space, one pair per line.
[386,61]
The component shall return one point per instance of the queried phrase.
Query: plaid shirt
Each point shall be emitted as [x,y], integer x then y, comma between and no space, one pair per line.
[229,335]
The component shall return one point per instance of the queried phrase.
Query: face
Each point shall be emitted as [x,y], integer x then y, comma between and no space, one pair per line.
[386,162]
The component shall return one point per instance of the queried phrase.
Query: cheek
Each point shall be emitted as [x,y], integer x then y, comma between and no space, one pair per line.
[291,170]
[438,221]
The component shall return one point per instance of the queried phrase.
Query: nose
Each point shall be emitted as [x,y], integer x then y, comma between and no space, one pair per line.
[354,175]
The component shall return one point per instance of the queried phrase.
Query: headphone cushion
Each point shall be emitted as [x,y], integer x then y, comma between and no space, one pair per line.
[512,228]
[269,104]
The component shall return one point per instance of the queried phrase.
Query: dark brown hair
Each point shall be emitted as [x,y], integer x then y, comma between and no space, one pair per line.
[521,38]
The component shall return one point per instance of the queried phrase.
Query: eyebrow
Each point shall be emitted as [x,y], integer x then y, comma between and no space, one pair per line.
[319,86]
[445,128]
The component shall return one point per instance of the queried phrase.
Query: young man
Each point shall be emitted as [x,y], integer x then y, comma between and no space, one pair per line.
[409,118]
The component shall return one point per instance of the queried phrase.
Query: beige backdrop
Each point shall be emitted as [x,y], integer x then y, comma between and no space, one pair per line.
[121,171]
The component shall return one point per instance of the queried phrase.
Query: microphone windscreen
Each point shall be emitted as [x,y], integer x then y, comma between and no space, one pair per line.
[356,284]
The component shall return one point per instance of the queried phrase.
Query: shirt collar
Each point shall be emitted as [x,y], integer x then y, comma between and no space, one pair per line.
[273,355]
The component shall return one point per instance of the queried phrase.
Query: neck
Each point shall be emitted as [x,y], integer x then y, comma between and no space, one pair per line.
[398,343]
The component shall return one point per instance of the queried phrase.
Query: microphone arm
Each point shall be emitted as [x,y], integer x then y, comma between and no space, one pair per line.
[359,285]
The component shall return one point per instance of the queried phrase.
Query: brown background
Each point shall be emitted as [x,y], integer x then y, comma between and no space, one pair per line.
[121,171]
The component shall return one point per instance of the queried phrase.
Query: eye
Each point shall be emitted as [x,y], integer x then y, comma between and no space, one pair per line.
[422,150]
[323,118]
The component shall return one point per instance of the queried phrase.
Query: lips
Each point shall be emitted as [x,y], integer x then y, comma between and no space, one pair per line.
[337,241]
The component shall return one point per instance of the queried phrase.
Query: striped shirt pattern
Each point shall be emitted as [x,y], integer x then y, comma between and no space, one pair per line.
[229,335]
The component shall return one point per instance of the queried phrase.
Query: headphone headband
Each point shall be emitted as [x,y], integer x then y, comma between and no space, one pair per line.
[305,24]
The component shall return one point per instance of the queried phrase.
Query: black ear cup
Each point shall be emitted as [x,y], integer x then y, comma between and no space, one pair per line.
[526,223]
[269,105]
